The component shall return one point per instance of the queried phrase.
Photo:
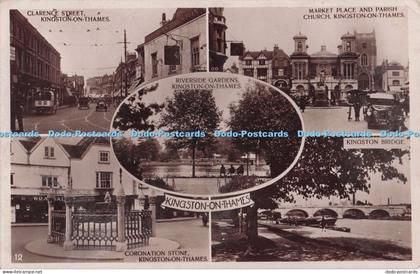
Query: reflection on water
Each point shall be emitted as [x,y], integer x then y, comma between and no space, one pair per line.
[384,229]
[185,170]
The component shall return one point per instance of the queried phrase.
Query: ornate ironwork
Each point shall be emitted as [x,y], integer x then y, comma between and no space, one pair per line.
[94,230]
[58,226]
[138,228]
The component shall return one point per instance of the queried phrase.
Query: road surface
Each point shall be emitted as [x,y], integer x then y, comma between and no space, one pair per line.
[70,119]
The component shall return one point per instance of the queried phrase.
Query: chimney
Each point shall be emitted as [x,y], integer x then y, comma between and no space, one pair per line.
[163,22]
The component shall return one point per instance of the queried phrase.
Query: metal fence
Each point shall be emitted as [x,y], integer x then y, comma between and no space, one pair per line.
[58,226]
[94,230]
[138,228]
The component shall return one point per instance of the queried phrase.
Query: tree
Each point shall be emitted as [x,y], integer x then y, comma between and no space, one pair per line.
[262,108]
[191,111]
[125,151]
[134,114]
[149,149]
[326,169]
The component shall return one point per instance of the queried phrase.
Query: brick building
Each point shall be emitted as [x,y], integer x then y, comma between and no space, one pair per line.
[272,67]
[34,62]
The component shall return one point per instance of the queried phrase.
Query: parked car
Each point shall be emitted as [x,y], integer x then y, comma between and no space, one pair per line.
[84,103]
[378,112]
[101,106]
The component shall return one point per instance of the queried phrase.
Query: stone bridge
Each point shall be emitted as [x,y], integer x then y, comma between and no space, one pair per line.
[355,211]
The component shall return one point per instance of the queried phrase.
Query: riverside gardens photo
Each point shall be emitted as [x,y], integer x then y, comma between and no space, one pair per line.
[207,138]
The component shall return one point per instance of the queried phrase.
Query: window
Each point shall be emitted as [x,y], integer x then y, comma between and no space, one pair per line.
[299,47]
[395,73]
[262,73]
[261,62]
[395,82]
[300,71]
[364,60]
[249,72]
[104,157]
[280,72]
[195,52]
[103,179]
[49,181]
[154,65]
[48,152]
[248,62]
[348,46]
[364,45]
[348,69]
[11,179]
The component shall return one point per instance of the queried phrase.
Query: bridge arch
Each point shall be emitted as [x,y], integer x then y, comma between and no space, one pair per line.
[379,214]
[326,212]
[297,213]
[354,213]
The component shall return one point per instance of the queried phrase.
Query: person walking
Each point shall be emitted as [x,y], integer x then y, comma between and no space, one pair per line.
[323,223]
[357,105]
[16,112]
[222,171]
[240,170]
[302,103]
[231,170]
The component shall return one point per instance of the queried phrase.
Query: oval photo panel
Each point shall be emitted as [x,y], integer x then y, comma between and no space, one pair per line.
[208,134]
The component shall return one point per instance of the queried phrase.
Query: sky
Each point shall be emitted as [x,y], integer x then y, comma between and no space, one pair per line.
[261,28]
[78,56]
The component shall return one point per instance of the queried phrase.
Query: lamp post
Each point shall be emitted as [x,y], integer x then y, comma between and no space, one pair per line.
[121,245]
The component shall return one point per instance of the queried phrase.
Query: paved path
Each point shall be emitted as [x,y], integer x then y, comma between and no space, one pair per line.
[190,234]
[334,119]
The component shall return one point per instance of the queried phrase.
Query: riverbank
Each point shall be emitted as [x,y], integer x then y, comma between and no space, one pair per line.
[281,244]
[375,246]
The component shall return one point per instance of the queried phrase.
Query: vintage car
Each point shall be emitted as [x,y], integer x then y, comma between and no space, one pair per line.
[378,112]
[84,103]
[101,106]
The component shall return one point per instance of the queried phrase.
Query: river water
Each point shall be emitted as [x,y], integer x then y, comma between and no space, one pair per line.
[384,229]
[185,170]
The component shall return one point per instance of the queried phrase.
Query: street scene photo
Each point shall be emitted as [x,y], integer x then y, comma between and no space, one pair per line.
[345,75]
[336,204]
[226,134]
[71,74]
[71,202]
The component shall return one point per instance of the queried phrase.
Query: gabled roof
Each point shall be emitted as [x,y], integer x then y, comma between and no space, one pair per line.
[78,150]
[28,144]
[181,16]
[255,54]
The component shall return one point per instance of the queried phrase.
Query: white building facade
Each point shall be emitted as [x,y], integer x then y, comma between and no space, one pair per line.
[44,165]
[187,29]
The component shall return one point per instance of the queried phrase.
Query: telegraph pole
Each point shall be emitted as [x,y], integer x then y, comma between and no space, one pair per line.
[125,62]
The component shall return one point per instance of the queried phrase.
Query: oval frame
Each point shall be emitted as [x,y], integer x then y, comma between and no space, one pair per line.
[220,195]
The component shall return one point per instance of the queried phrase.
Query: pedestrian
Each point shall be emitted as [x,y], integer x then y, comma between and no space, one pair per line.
[16,112]
[231,170]
[350,99]
[302,103]
[323,223]
[240,170]
[222,171]
[406,105]
[357,105]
